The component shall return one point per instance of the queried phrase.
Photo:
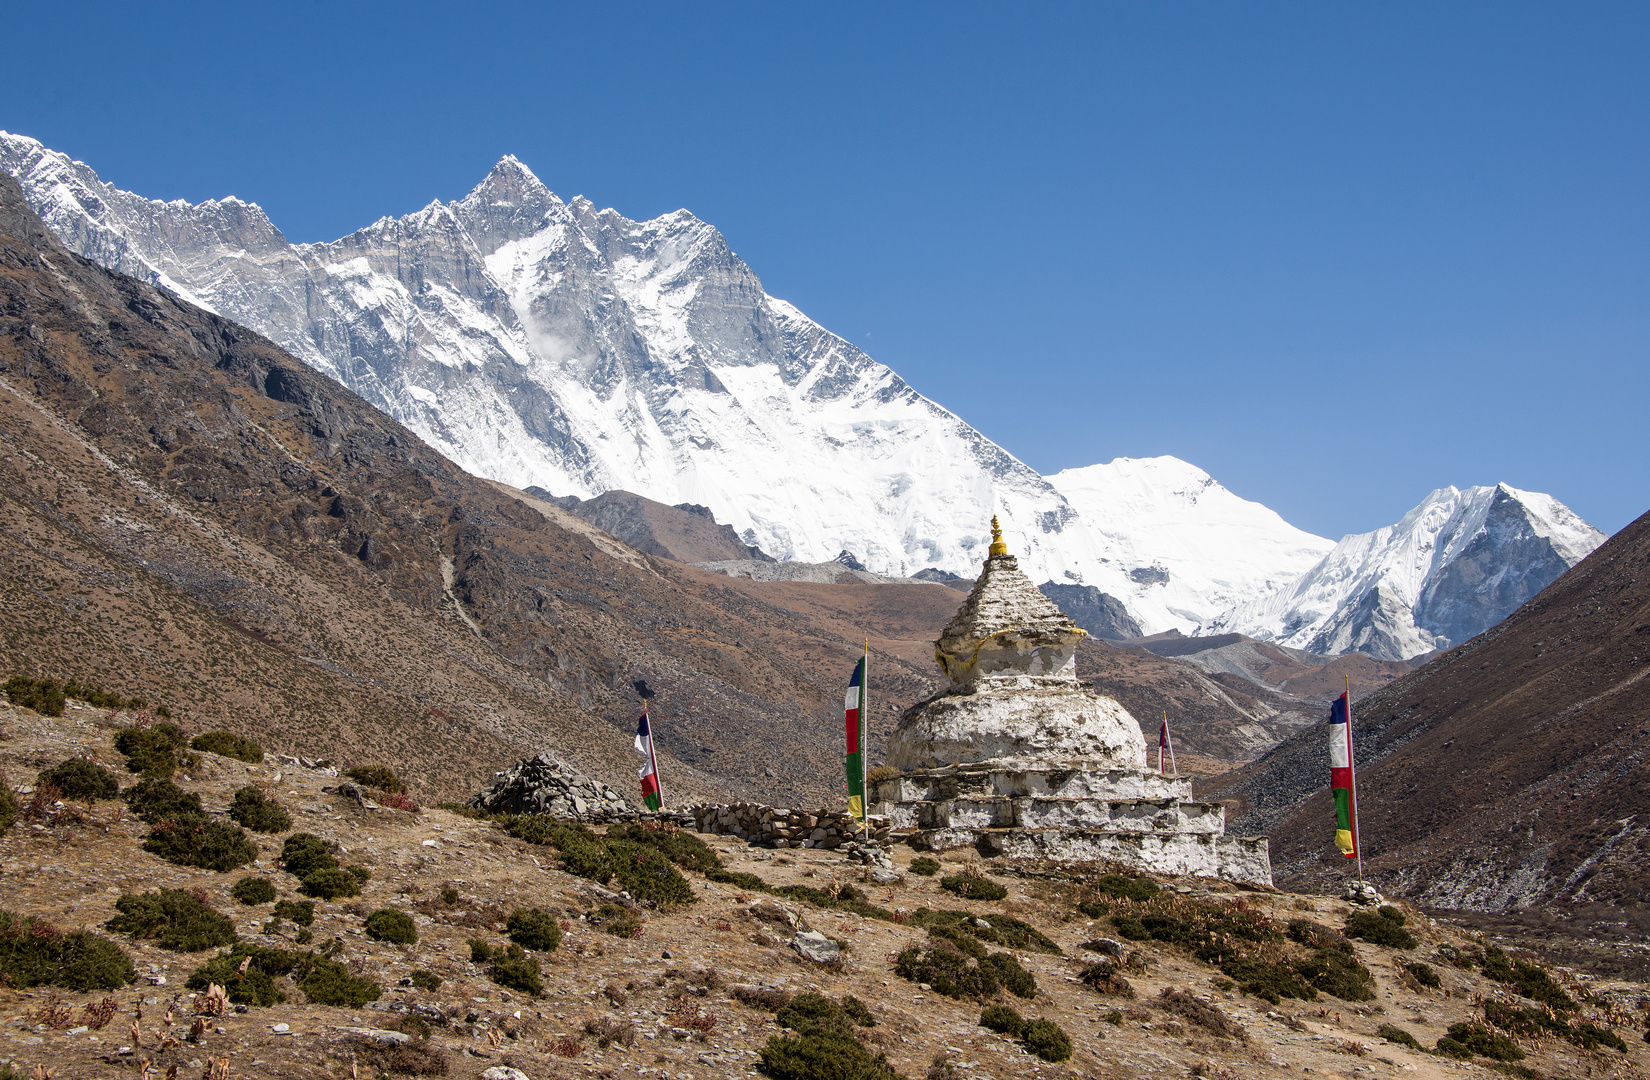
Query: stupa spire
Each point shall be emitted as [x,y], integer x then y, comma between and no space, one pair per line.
[998,547]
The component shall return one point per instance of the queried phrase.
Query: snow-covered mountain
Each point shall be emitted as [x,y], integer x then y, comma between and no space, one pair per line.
[551,344]
[1452,568]
[1175,546]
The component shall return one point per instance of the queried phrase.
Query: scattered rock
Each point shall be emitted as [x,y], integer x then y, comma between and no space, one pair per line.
[1362,892]
[1105,946]
[503,1072]
[812,945]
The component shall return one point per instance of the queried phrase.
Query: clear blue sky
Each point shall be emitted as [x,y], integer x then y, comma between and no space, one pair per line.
[1336,254]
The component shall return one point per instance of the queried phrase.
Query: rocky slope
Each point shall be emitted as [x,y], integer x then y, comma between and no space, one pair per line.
[1507,772]
[666,999]
[687,533]
[1456,565]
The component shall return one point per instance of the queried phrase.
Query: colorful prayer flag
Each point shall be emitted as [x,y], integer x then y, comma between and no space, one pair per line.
[649,772]
[1342,782]
[853,710]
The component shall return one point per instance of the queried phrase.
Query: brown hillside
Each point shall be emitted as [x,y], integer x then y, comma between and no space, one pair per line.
[1507,772]
[190,514]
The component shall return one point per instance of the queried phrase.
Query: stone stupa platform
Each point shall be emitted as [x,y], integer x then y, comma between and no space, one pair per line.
[1020,760]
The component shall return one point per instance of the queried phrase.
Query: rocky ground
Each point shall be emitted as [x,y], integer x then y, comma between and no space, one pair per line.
[671,986]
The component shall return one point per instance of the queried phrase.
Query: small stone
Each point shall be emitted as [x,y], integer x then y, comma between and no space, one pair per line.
[281,1029]
[665,955]
[503,1072]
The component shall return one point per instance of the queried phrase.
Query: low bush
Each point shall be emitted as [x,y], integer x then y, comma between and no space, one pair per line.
[78,779]
[9,808]
[1269,980]
[258,812]
[1424,974]
[823,1046]
[155,750]
[973,887]
[1127,888]
[1094,909]
[1381,928]
[858,1011]
[647,875]
[1002,930]
[925,865]
[1480,1040]
[738,879]
[253,890]
[1530,1022]
[95,695]
[1204,1014]
[415,1058]
[1394,1034]
[202,842]
[680,847]
[324,981]
[300,912]
[44,696]
[1530,979]
[377,776]
[1105,978]
[182,921]
[155,800]
[228,744]
[1003,1019]
[395,927]
[1337,971]
[1047,1040]
[314,863]
[330,884]
[615,919]
[514,969]
[952,972]
[425,980]
[33,952]
[533,928]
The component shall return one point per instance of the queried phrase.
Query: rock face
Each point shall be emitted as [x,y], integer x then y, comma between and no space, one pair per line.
[1019,759]
[1101,614]
[547,785]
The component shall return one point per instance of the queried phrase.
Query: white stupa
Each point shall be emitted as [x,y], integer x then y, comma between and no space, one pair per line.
[1019,759]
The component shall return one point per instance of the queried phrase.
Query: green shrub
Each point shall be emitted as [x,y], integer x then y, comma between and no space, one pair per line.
[1448,1047]
[973,887]
[77,778]
[647,875]
[682,848]
[1047,1040]
[1001,930]
[1530,979]
[925,865]
[621,922]
[480,951]
[96,695]
[1004,1020]
[182,921]
[824,1047]
[844,898]
[323,981]
[155,750]
[9,808]
[1394,1034]
[154,800]
[738,879]
[300,912]
[1094,909]
[1130,928]
[227,744]
[823,1054]
[1378,928]
[514,969]
[387,924]
[259,813]
[1590,1036]
[33,952]
[952,972]
[377,776]
[858,1011]
[1127,888]
[1531,1022]
[253,890]
[44,696]
[1269,980]
[1337,971]
[199,841]
[1105,978]
[1478,1039]
[533,928]
[330,884]
[1424,974]
[1392,914]
[425,980]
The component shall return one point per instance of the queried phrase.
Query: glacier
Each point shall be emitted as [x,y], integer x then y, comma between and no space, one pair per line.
[556,345]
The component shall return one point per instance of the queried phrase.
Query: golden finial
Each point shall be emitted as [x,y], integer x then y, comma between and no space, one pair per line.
[997,545]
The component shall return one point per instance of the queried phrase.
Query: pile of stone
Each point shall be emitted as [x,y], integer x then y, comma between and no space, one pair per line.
[547,785]
[772,827]
[879,866]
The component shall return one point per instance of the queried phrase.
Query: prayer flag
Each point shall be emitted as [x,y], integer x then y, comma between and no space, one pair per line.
[649,772]
[854,710]
[1342,782]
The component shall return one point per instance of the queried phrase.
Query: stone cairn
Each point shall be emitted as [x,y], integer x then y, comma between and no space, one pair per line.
[547,785]
[772,827]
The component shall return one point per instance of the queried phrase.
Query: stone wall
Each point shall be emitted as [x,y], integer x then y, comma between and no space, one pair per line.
[774,827]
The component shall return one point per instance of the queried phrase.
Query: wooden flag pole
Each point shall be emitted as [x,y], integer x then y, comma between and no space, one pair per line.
[1168,737]
[1352,763]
